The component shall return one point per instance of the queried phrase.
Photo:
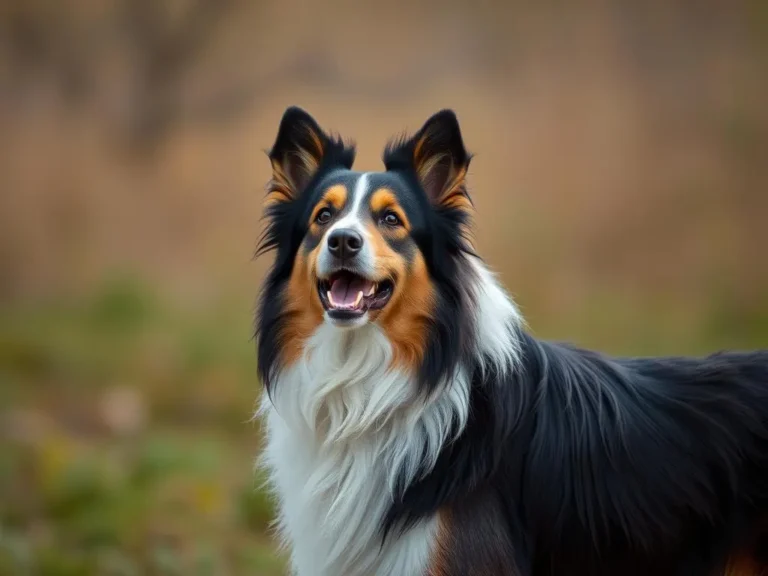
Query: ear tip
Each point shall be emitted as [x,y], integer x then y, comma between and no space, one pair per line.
[445,116]
[446,123]
[296,115]
[294,123]
[295,110]
[448,113]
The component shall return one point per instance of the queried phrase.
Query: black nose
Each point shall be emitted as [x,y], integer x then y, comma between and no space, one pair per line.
[345,243]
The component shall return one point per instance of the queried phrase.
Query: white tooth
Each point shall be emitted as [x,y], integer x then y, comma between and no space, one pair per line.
[371,290]
[330,298]
[359,297]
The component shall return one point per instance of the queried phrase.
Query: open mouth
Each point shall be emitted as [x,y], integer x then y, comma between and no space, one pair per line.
[348,295]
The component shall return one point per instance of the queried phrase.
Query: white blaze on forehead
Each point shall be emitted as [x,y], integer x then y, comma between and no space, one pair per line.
[353,218]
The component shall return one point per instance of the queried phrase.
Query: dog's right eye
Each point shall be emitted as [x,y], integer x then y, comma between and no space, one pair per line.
[324,216]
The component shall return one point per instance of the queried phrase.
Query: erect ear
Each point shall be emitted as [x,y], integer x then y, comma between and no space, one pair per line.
[300,150]
[437,157]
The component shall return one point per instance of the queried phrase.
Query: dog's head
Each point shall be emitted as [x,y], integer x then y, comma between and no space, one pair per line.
[355,248]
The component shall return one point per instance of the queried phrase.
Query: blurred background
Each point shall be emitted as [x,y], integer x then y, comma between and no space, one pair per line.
[620,177]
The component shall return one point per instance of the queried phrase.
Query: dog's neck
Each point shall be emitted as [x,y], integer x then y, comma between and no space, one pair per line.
[345,385]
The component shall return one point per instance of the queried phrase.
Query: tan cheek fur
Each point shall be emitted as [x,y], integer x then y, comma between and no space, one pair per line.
[302,304]
[303,307]
[405,318]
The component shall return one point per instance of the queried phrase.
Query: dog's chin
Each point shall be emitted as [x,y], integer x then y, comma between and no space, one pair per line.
[349,299]
[347,322]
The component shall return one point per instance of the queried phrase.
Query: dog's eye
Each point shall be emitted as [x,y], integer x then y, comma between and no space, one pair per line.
[324,216]
[390,219]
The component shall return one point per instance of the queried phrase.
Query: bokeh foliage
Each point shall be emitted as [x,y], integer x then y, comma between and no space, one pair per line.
[127,442]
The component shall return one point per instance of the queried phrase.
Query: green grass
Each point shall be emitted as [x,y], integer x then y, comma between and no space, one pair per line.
[126,446]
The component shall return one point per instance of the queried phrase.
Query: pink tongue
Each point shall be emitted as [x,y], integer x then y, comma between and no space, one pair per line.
[345,288]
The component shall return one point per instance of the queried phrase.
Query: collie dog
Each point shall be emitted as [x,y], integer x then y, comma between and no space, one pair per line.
[414,427]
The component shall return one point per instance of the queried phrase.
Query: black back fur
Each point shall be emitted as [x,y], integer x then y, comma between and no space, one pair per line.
[612,466]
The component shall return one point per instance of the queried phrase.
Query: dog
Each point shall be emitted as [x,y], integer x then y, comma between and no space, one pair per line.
[414,427]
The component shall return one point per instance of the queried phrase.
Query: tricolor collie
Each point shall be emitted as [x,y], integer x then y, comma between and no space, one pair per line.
[414,427]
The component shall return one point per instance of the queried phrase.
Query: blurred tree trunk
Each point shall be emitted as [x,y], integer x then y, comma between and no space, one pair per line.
[168,44]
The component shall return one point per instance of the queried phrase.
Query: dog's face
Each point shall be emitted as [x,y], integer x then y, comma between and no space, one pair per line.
[358,249]
[355,248]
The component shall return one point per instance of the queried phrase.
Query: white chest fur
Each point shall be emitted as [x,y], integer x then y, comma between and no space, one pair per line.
[344,434]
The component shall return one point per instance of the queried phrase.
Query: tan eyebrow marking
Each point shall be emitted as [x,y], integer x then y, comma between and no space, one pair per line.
[335,196]
[384,198]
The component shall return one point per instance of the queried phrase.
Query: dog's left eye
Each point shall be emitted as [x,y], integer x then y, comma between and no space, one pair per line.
[323,216]
[390,219]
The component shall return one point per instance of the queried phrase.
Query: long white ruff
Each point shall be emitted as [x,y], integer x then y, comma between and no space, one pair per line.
[346,433]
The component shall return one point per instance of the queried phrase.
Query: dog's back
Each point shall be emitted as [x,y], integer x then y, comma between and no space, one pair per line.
[662,467]
[629,467]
